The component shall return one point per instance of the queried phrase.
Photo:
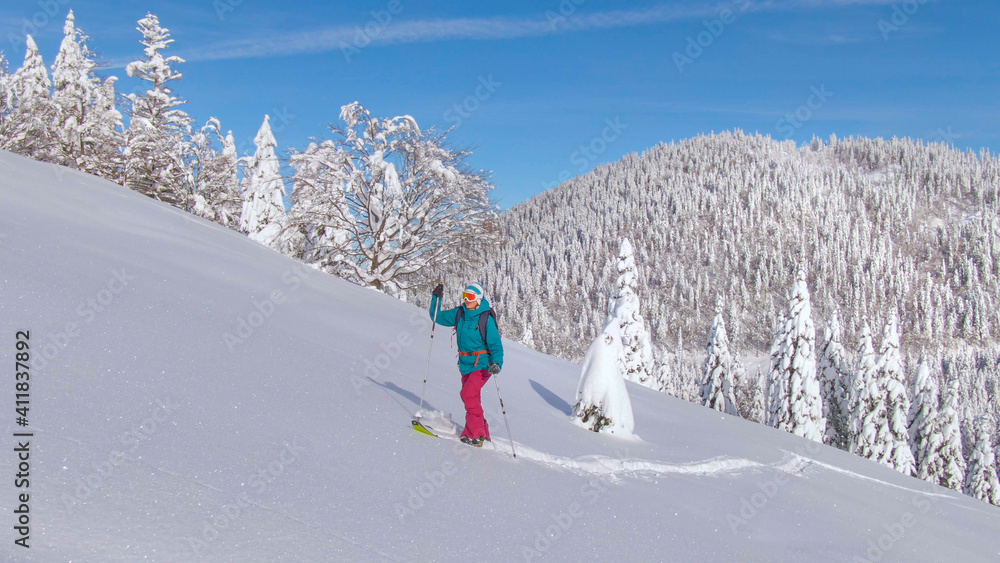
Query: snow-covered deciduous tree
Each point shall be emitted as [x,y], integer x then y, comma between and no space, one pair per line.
[637,358]
[263,216]
[794,400]
[717,376]
[320,222]
[869,428]
[602,401]
[922,417]
[836,379]
[944,464]
[217,191]
[897,404]
[981,479]
[412,203]
[157,144]
[29,130]
[103,135]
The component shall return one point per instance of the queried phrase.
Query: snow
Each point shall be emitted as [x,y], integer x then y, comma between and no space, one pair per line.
[218,401]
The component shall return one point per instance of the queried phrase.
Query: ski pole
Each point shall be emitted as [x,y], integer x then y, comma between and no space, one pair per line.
[504,411]
[429,350]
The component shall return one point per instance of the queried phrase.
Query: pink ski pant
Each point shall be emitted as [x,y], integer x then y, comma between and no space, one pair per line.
[475,422]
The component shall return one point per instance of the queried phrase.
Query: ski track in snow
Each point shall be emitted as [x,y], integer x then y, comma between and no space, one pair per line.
[604,466]
[834,468]
[614,468]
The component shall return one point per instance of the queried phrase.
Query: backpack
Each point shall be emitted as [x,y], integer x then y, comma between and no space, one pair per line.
[483,319]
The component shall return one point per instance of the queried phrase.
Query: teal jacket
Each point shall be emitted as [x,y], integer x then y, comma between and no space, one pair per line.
[468,337]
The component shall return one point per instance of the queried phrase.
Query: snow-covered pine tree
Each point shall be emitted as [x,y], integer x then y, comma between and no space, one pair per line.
[602,401]
[29,125]
[924,443]
[758,412]
[944,464]
[667,370]
[4,83]
[637,359]
[869,419]
[217,191]
[776,395]
[794,400]
[528,337]
[836,380]
[981,479]
[157,144]
[263,216]
[414,206]
[897,404]
[745,389]
[6,99]
[671,370]
[717,377]
[75,89]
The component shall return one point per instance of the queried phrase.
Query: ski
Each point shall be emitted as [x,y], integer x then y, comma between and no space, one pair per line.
[439,429]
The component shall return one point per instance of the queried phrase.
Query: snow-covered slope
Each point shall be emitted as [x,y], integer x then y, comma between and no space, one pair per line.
[204,398]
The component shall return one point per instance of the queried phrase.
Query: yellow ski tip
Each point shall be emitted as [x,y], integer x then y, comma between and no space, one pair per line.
[420,428]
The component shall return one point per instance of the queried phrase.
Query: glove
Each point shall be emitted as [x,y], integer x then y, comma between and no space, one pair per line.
[494,368]
[438,291]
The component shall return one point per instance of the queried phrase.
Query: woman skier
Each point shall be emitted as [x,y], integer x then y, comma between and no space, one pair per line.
[478,357]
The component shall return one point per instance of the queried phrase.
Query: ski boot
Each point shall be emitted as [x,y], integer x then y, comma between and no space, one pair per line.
[477,442]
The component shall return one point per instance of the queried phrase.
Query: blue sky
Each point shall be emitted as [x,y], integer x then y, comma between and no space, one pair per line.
[545,90]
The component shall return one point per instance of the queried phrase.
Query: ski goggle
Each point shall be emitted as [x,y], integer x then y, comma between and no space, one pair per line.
[470,296]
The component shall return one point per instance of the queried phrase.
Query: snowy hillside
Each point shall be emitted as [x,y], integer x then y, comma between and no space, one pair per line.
[881,227]
[196,396]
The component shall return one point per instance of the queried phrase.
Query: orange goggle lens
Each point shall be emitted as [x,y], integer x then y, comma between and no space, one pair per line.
[469,296]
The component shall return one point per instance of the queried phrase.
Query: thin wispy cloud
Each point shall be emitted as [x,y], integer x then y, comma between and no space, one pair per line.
[494,28]
[826,38]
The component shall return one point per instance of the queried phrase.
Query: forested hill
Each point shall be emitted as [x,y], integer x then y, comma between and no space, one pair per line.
[721,222]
